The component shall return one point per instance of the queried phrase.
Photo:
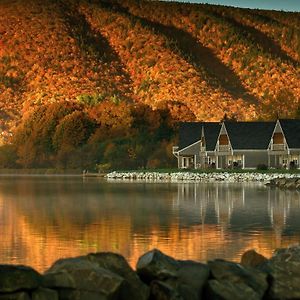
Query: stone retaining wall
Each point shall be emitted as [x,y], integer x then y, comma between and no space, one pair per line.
[199,177]
[108,276]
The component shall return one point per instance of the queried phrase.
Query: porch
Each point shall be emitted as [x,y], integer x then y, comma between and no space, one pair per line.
[284,161]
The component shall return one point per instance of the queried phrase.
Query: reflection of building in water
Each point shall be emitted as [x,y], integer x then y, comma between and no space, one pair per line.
[279,204]
[200,197]
[228,198]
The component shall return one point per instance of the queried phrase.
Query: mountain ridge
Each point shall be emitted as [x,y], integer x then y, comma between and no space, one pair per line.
[199,61]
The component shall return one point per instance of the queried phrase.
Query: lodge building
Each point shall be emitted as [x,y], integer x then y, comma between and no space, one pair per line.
[244,145]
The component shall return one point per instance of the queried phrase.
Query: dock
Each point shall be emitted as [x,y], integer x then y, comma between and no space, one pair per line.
[98,175]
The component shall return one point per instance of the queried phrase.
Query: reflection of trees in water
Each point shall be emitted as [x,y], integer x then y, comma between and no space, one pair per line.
[67,218]
[63,204]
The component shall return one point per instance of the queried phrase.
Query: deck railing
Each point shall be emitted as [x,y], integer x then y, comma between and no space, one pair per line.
[278,147]
[223,148]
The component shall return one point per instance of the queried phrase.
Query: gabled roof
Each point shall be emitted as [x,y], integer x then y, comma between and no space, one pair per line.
[250,135]
[291,130]
[190,133]
[211,133]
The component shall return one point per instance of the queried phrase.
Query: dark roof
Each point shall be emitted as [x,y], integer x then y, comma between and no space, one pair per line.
[291,130]
[190,133]
[211,133]
[250,135]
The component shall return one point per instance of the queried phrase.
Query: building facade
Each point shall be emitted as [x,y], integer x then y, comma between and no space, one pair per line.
[243,145]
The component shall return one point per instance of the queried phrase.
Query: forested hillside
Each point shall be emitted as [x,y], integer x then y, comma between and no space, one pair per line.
[129,69]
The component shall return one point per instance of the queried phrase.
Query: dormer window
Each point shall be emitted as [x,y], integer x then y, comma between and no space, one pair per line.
[223,140]
[278,138]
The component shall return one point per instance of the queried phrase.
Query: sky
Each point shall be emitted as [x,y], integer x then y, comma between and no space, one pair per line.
[287,5]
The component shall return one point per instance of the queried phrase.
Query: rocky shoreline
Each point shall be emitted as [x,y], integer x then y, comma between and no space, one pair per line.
[108,276]
[201,177]
[285,183]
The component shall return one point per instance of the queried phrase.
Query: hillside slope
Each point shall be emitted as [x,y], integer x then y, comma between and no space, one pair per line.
[197,61]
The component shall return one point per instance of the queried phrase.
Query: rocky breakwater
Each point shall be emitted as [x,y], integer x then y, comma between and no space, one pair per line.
[108,276]
[286,183]
[200,177]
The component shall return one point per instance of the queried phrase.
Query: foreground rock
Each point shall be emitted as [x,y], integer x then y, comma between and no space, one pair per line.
[75,277]
[252,259]
[171,279]
[16,278]
[233,281]
[108,276]
[133,288]
[284,271]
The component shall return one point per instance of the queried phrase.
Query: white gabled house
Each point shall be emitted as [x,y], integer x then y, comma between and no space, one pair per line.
[284,146]
[244,145]
[197,142]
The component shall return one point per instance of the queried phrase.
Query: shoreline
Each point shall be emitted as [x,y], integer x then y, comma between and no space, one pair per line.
[230,177]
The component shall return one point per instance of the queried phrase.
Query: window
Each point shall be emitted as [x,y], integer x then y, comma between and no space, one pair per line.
[223,140]
[278,138]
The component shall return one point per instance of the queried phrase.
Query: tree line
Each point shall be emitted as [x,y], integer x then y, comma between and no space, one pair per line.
[108,135]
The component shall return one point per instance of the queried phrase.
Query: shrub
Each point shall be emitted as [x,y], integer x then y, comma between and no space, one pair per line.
[262,167]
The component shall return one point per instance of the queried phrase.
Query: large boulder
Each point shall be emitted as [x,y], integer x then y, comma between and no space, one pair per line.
[284,270]
[16,278]
[171,279]
[66,294]
[156,265]
[252,259]
[229,278]
[191,279]
[58,279]
[44,294]
[163,291]
[228,290]
[133,287]
[83,276]
[15,296]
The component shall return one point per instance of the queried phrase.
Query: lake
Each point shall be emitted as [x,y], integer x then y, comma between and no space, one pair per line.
[46,218]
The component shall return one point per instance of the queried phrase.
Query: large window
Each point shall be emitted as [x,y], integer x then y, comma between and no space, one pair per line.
[278,138]
[223,139]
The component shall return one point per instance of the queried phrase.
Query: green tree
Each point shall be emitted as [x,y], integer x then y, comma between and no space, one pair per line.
[73,131]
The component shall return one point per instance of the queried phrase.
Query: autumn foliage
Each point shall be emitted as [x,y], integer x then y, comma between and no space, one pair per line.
[109,78]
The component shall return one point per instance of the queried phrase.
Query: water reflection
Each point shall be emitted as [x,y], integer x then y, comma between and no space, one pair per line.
[43,219]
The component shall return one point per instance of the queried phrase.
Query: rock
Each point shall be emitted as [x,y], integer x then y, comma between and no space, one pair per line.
[44,294]
[227,290]
[191,278]
[66,294]
[15,278]
[15,296]
[228,272]
[252,259]
[171,278]
[287,254]
[156,265]
[133,287]
[162,291]
[60,279]
[284,269]
[88,277]
[281,182]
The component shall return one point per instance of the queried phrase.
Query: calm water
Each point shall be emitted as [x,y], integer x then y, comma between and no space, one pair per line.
[46,218]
